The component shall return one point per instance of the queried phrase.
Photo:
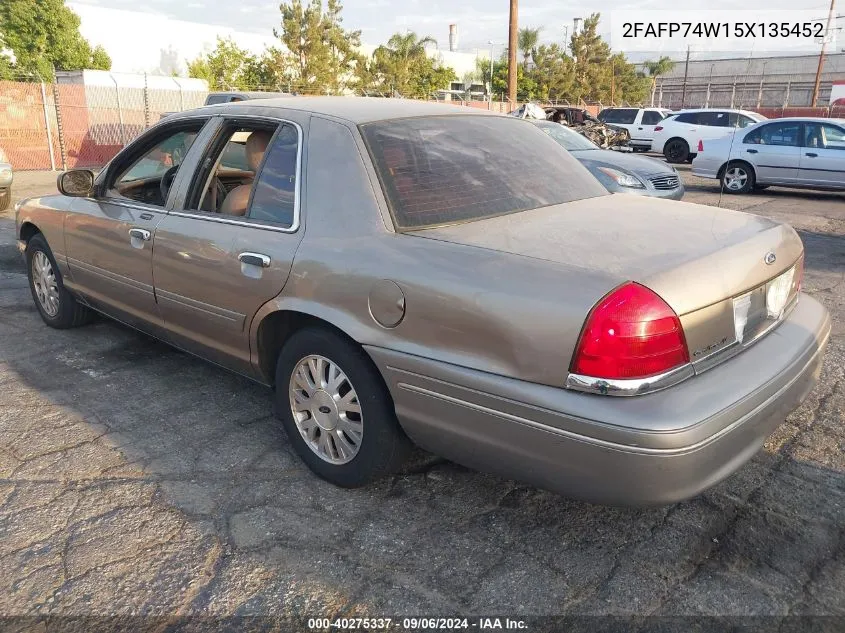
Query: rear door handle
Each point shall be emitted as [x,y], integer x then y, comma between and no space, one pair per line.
[255,259]
[140,234]
[751,151]
[811,154]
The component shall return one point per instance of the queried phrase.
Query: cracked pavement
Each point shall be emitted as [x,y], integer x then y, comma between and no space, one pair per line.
[135,479]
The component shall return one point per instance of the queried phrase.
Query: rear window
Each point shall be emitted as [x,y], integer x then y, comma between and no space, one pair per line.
[449,169]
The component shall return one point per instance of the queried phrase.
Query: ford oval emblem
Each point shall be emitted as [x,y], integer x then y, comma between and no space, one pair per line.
[770,258]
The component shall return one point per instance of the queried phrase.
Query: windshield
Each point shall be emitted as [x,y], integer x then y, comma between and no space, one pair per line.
[570,140]
[449,169]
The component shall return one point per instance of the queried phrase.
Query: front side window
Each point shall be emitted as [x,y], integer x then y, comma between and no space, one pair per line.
[823,136]
[143,179]
[458,168]
[652,117]
[714,119]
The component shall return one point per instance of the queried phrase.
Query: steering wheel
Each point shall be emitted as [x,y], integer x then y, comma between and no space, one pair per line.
[166,182]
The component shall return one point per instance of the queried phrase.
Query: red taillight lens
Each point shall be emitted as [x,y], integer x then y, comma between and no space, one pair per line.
[700,146]
[631,333]
[658,128]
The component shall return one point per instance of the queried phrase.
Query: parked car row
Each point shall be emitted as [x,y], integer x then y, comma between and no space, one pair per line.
[401,272]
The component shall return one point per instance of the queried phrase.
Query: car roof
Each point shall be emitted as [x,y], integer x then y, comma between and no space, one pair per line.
[716,110]
[353,109]
[250,94]
[806,119]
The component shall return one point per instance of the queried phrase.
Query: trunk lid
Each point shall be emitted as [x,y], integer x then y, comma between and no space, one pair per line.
[692,255]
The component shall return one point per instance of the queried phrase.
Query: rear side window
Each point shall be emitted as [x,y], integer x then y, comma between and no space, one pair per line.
[449,169]
[651,117]
[274,194]
[624,116]
[714,119]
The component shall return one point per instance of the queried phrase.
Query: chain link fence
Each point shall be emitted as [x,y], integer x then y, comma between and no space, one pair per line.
[69,125]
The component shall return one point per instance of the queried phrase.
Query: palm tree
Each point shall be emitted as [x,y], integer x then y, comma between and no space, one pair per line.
[527,41]
[655,69]
[394,60]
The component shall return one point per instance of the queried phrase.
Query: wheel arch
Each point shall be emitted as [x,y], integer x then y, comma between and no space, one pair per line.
[28,230]
[275,328]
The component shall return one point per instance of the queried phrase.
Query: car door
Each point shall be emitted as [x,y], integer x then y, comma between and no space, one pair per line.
[108,237]
[823,155]
[774,151]
[214,270]
[646,122]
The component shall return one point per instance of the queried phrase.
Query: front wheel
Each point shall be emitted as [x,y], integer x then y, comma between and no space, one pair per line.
[336,409]
[738,178]
[57,307]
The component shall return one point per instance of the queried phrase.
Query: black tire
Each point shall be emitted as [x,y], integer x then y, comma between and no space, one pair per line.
[676,151]
[737,177]
[383,448]
[70,312]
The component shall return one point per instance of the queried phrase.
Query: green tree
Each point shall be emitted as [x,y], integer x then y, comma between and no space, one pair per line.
[400,60]
[553,72]
[527,40]
[526,86]
[592,62]
[657,68]
[324,54]
[43,35]
[227,66]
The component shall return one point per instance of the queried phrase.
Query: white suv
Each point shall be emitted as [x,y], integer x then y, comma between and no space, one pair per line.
[639,122]
[677,136]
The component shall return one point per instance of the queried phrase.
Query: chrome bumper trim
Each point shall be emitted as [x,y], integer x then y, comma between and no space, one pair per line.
[632,387]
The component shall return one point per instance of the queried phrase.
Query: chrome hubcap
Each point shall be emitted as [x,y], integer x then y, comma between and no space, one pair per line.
[46,287]
[326,410]
[735,178]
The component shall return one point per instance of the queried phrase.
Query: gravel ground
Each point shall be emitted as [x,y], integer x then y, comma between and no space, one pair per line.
[137,479]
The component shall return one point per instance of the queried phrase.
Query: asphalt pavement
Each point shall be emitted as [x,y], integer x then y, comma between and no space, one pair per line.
[135,479]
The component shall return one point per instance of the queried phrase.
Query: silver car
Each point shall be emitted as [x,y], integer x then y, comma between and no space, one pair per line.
[403,272]
[793,152]
[618,172]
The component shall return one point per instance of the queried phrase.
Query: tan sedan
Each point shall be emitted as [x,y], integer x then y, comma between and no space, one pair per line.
[408,272]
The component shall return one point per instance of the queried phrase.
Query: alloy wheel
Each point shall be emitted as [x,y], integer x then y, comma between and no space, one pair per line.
[735,178]
[46,285]
[326,409]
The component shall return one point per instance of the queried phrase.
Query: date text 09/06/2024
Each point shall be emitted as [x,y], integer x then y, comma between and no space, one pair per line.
[416,624]
[736,30]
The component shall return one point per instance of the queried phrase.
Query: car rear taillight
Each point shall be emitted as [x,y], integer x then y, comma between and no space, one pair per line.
[700,146]
[658,128]
[630,333]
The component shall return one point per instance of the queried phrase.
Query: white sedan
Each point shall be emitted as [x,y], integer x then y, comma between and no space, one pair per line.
[795,152]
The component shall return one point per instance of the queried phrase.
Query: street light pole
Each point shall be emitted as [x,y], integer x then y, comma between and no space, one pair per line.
[512,45]
[490,90]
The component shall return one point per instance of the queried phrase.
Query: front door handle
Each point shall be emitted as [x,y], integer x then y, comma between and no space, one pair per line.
[751,151]
[811,154]
[255,259]
[140,234]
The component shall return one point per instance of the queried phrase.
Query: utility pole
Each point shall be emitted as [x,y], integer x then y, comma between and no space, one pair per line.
[512,45]
[684,90]
[613,82]
[821,56]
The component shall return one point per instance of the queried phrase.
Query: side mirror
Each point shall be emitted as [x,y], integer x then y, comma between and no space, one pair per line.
[78,183]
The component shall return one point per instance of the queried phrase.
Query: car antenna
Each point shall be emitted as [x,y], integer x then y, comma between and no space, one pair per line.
[736,127]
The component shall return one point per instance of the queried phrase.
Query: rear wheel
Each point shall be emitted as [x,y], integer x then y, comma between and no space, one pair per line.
[676,151]
[738,178]
[57,307]
[336,409]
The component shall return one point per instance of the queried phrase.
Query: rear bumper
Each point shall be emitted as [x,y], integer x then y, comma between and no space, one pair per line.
[706,167]
[654,449]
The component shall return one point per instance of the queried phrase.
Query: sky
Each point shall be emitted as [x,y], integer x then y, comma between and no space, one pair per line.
[184,28]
